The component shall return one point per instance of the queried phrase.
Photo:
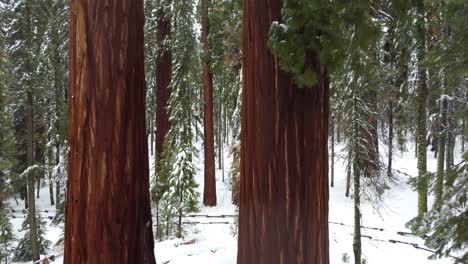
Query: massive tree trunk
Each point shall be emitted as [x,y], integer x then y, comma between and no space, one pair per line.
[163,76]
[284,157]
[108,215]
[421,110]
[209,190]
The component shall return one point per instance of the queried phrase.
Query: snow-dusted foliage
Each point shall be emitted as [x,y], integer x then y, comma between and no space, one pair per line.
[175,192]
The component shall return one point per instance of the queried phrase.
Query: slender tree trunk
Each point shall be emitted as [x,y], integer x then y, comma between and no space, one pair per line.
[332,180]
[283,214]
[439,188]
[58,175]
[463,137]
[209,190]
[450,127]
[421,111]
[108,214]
[348,181]
[357,142]
[338,129]
[51,191]
[38,181]
[218,114]
[57,190]
[416,144]
[151,135]
[390,138]
[31,178]
[163,76]
[357,216]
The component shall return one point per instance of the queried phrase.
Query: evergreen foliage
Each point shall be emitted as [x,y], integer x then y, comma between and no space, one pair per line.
[6,237]
[444,226]
[175,190]
[23,251]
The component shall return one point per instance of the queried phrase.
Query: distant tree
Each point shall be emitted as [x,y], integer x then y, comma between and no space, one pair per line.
[176,186]
[209,191]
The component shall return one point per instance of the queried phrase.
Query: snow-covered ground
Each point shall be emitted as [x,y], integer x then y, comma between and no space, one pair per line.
[214,243]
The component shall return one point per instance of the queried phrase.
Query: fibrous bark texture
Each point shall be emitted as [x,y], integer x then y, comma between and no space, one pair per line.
[163,77]
[108,216]
[209,190]
[284,155]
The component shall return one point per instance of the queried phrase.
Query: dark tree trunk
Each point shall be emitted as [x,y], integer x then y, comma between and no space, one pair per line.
[283,216]
[357,145]
[209,190]
[463,137]
[38,181]
[108,214]
[357,215]
[348,181]
[439,188]
[390,138]
[151,136]
[57,191]
[51,191]
[163,77]
[332,167]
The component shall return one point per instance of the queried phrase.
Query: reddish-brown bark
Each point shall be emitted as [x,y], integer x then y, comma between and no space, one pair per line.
[108,215]
[209,190]
[163,77]
[284,155]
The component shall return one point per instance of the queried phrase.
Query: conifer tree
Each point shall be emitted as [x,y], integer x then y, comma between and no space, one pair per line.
[24,251]
[176,185]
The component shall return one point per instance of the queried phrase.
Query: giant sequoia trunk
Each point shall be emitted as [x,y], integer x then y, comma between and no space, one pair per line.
[209,190]
[284,157]
[108,216]
[163,76]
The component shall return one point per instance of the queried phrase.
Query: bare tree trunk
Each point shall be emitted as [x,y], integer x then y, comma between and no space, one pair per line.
[209,190]
[108,214]
[283,216]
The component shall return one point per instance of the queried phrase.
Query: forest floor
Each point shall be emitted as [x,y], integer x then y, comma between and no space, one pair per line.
[208,242]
